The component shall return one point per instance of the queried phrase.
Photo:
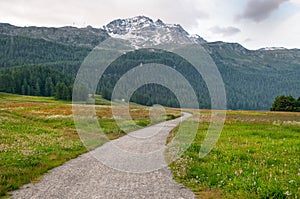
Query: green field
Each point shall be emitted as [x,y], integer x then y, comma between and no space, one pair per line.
[257,156]
[38,133]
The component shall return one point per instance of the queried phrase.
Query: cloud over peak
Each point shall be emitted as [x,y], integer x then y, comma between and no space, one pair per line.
[225,31]
[259,10]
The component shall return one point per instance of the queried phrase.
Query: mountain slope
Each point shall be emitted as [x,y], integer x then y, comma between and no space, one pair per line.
[252,78]
[20,50]
[83,37]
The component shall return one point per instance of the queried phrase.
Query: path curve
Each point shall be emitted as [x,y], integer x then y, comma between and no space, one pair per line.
[103,173]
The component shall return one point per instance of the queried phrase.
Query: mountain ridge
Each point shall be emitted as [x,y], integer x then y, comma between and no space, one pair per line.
[73,34]
[252,78]
[82,37]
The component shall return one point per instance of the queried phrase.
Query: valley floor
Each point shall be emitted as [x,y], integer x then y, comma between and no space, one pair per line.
[257,155]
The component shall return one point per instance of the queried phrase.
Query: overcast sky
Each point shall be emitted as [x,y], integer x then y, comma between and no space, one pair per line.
[253,23]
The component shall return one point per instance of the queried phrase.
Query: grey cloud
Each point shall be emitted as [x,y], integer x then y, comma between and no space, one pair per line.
[225,31]
[259,10]
[98,13]
[186,12]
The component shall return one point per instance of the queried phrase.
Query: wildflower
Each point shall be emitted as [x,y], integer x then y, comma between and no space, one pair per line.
[288,193]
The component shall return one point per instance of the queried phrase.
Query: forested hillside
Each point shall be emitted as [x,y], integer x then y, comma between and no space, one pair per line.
[19,50]
[254,78]
[33,64]
[38,67]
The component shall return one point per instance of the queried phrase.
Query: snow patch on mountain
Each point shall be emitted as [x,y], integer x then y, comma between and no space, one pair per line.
[142,31]
[272,48]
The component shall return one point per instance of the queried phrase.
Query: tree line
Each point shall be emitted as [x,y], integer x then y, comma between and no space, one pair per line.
[48,69]
[153,93]
[30,66]
[286,103]
[37,81]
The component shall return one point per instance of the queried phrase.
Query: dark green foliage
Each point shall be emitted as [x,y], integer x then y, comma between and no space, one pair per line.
[57,63]
[63,92]
[251,82]
[36,80]
[49,87]
[252,78]
[106,93]
[17,51]
[297,103]
[152,93]
[286,103]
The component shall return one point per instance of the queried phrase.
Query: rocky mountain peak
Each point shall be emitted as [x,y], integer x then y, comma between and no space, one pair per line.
[142,31]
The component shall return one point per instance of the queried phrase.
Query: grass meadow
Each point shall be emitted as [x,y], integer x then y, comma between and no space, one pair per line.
[257,156]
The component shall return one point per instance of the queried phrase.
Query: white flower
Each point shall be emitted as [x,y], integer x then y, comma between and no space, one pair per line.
[288,193]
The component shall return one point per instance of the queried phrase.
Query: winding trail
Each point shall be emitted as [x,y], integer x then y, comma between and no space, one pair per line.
[132,166]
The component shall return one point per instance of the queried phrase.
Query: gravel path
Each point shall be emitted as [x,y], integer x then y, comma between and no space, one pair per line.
[132,166]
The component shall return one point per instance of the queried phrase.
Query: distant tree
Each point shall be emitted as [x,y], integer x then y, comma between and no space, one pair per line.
[49,87]
[5,82]
[66,93]
[37,91]
[106,93]
[59,90]
[285,103]
[28,90]
[297,104]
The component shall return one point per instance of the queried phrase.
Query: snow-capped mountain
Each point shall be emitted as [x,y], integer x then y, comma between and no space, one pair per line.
[142,31]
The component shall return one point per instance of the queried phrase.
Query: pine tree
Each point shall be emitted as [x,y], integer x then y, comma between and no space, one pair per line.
[37,91]
[59,90]
[49,87]
[284,103]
